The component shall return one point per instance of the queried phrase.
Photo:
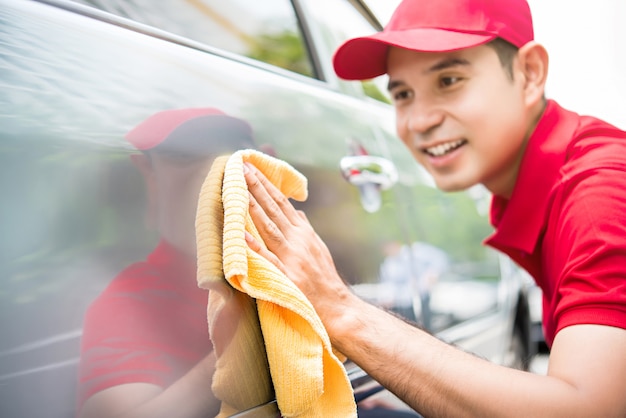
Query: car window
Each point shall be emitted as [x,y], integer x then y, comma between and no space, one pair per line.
[267,31]
[338,21]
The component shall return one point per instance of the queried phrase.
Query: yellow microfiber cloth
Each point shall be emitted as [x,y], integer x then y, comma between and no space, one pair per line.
[284,331]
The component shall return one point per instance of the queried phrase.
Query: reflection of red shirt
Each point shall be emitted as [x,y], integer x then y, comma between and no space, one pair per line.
[566,220]
[149,325]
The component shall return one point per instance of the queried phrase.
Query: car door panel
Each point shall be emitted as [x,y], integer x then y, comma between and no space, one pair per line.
[77,211]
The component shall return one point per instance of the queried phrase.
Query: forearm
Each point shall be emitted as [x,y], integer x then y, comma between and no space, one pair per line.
[587,362]
[439,380]
[189,397]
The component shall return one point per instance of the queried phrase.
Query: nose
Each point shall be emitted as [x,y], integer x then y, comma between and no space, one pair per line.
[423,118]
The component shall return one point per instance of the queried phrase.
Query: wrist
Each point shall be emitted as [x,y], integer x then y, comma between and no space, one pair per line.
[343,316]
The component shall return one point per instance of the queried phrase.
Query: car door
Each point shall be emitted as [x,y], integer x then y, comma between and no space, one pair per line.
[85,206]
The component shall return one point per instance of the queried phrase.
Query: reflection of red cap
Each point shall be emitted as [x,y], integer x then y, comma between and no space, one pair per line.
[206,129]
[435,26]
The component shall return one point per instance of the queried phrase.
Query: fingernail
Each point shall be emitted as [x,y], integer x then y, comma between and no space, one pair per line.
[248,237]
[245,168]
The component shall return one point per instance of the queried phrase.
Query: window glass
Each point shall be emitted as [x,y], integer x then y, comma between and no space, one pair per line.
[339,21]
[267,31]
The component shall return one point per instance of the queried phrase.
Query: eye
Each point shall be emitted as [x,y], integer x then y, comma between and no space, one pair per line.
[448,81]
[401,95]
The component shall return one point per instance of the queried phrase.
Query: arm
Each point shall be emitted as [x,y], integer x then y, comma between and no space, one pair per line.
[586,368]
[188,397]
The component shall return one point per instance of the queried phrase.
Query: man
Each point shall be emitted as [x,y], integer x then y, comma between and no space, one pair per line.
[146,350]
[467,81]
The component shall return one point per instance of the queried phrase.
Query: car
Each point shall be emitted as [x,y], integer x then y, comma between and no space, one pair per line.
[84,205]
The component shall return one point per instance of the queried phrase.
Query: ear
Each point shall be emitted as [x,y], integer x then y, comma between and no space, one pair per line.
[533,61]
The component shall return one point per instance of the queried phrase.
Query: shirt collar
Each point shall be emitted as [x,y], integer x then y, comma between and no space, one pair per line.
[520,220]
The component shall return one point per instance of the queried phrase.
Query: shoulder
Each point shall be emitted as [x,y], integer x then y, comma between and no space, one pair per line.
[595,145]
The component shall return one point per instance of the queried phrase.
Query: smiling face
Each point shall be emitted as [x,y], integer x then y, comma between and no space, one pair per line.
[462,116]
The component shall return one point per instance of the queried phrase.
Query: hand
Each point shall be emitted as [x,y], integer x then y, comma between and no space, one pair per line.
[293,245]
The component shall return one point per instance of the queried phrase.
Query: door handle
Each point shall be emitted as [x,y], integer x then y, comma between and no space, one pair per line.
[368,169]
[371,175]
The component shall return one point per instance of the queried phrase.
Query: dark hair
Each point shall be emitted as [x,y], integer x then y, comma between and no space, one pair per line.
[506,53]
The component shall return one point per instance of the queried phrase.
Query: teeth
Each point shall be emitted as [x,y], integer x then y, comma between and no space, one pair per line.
[442,149]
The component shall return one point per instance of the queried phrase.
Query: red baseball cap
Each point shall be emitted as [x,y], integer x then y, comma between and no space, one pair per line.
[191,131]
[435,26]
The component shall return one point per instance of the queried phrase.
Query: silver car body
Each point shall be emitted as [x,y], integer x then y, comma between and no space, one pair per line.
[75,78]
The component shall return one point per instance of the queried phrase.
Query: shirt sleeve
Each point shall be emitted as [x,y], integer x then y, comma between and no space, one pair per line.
[588,254]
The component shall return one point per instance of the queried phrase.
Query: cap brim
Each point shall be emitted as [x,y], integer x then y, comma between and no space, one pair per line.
[366,57]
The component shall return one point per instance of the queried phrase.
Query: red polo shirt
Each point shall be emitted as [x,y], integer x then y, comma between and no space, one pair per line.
[148,326]
[566,220]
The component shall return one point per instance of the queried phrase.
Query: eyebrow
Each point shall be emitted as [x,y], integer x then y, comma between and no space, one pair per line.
[444,64]
[393,84]
[448,63]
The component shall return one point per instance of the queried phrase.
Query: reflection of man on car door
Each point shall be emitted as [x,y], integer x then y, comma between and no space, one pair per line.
[146,351]
[145,347]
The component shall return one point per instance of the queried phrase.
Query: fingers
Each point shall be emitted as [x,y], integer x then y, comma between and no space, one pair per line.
[266,214]
[268,255]
[252,243]
[290,241]
[270,232]
[277,206]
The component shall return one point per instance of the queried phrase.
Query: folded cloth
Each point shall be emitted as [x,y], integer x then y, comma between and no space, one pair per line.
[308,378]
[241,379]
